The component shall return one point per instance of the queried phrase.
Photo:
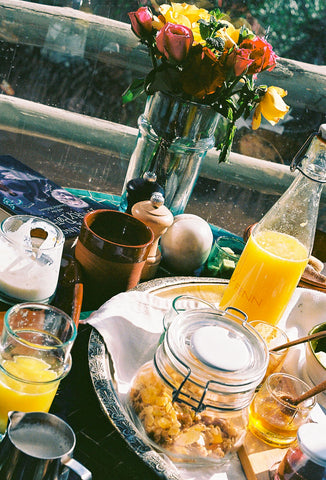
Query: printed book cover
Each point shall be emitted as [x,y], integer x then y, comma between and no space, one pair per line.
[23,191]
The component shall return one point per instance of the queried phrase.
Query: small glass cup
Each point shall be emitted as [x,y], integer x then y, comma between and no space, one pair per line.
[224,256]
[272,417]
[35,355]
[273,336]
[31,250]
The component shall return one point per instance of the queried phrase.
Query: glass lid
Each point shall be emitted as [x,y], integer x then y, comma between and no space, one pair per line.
[217,346]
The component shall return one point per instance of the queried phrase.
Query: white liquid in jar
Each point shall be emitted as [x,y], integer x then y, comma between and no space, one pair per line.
[28,274]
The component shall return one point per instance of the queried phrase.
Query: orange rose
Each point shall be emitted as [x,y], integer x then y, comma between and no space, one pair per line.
[203,73]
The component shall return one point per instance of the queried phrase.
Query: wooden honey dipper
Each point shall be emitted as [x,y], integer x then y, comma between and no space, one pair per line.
[298,341]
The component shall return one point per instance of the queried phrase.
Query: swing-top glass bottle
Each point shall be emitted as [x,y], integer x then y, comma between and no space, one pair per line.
[279,246]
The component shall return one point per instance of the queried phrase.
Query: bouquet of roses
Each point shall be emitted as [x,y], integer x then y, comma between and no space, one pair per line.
[200,56]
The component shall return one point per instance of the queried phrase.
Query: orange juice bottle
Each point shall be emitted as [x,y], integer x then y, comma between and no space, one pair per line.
[279,247]
[266,275]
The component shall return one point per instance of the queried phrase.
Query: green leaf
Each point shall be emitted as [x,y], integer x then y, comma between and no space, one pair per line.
[245,33]
[215,43]
[165,78]
[133,91]
[216,13]
[221,24]
[204,29]
[213,21]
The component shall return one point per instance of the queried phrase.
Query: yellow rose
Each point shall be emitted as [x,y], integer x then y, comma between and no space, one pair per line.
[230,35]
[271,106]
[184,14]
[156,23]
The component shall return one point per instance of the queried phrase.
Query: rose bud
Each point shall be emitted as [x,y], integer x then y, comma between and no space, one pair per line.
[141,21]
[174,41]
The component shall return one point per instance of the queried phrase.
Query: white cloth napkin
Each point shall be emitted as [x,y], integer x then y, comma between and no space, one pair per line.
[131,324]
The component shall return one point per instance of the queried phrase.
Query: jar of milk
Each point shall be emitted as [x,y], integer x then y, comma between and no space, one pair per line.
[30,257]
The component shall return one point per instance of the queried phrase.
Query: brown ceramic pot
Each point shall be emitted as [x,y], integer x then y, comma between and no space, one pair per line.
[112,248]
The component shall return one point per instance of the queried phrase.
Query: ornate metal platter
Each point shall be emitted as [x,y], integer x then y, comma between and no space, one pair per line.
[102,372]
[306,305]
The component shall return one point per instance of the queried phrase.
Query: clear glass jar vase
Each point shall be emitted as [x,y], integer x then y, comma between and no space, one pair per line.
[174,137]
[192,399]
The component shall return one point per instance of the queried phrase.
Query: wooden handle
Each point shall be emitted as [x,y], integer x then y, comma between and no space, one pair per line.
[77,302]
[307,338]
[310,393]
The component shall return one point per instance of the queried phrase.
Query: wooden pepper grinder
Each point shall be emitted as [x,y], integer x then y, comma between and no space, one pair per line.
[159,219]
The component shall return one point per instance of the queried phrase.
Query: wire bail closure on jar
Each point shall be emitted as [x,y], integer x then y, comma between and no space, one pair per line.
[176,310]
[179,396]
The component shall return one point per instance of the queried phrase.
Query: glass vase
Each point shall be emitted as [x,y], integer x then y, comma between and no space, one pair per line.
[174,137]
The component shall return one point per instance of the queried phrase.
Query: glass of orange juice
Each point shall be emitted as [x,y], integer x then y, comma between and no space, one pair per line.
[35,355]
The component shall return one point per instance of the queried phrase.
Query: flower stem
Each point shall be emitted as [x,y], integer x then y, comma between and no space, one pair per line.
[158,154]
[152,55]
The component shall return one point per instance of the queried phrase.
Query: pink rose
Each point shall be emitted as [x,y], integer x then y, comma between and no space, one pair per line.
[141,21]
[174,41]
[261,52]
[240,60]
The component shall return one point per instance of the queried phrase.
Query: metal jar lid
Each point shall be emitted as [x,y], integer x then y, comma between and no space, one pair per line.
[219,353]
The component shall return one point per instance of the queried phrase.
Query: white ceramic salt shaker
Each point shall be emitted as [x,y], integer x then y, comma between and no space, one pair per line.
[186,244]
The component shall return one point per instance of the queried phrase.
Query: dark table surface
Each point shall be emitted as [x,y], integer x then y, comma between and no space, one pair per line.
[99,446]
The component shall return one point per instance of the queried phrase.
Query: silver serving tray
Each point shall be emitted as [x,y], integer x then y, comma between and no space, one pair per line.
[102,375]
[102,372]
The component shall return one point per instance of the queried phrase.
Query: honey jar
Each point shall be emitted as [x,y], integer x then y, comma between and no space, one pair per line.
[191,400]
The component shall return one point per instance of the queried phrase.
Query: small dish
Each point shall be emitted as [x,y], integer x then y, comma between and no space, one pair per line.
[314,365]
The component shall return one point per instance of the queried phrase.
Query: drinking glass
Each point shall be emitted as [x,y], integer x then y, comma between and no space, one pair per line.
[273,336]
[273,418]
[35,356]
[224,257]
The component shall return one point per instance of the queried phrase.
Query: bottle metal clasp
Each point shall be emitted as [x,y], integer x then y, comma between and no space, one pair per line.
[298,157]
